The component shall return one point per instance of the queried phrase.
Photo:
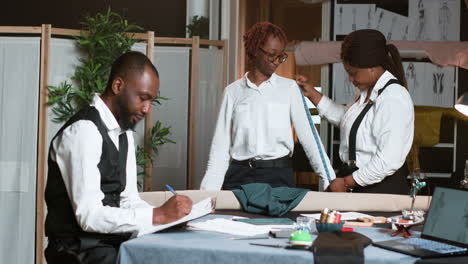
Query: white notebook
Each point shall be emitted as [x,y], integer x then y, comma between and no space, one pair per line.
[199,209]
[230,227]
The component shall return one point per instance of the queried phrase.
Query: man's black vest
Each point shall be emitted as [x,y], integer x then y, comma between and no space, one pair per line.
[61,221]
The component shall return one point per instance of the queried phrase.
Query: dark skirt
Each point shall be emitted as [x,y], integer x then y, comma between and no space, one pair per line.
[238,175]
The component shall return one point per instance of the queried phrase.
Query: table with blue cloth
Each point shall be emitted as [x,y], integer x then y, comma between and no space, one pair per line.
[179,245]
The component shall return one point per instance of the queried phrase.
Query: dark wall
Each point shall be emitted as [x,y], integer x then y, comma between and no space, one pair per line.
[165,17]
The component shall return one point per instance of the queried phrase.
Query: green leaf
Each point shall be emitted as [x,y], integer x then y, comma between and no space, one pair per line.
[103,38]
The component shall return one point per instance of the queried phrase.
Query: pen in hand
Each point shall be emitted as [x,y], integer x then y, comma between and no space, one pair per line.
[170,189]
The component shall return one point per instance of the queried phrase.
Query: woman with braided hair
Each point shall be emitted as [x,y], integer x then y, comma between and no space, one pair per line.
[376,128]
[253,141]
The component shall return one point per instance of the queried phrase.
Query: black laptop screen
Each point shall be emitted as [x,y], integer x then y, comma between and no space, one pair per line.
[447,218]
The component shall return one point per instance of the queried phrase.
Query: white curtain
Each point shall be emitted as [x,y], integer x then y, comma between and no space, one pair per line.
[210,89]
[170,164]
[63,60]
[19,85]
[19,94]
[64,56]
[173,64]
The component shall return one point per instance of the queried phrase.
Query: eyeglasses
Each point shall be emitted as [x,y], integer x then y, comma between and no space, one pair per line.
[272,57]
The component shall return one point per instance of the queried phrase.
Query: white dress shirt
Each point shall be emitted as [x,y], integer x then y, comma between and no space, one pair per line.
[77,152]
[255,122]
[385,135]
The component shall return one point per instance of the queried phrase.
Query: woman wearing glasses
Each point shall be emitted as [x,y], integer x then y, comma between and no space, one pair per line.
[253,141]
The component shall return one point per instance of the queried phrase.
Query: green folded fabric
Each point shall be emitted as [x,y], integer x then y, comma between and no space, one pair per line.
[261,198]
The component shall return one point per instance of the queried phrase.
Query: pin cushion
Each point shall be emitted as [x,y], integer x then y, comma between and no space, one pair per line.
[300,238]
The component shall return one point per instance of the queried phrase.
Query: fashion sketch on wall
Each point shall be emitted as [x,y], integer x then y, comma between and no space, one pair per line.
[414,72]
[434,20]
[437,85]
[429,84]
[421,21]
[344,91]
[351,17]
[444,20]
[440,86]
[391,24]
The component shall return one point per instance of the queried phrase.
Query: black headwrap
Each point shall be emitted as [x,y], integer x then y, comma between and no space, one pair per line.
[364,49]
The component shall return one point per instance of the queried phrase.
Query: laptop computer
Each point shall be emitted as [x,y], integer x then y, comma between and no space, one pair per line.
[445,231]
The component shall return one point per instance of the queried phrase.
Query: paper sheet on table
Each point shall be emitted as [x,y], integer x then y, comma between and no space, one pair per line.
[230,227]
[344,216]
[199,209]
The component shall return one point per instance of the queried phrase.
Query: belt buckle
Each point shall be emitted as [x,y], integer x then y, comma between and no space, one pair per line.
[352,164]
[249,161]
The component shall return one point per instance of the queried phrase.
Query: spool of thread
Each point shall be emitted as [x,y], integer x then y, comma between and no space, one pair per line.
[337,217]
[331,218]
[324,215]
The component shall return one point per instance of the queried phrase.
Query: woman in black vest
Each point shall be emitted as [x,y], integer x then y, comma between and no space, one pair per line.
[376,127]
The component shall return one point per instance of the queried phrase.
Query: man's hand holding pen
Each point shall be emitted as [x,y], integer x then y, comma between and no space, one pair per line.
[173,209]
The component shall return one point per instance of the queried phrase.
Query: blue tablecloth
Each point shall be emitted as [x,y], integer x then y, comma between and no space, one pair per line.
[186,246]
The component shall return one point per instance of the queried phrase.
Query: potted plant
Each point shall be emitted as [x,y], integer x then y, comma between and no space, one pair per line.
[103,38]
[200,26]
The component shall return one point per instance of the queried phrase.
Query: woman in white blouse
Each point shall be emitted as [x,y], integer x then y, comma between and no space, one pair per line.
[253,141]
[376,128]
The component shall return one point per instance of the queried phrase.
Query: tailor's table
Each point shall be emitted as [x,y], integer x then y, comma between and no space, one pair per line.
[186,246]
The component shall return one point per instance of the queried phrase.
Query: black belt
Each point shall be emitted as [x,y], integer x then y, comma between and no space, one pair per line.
[284,162]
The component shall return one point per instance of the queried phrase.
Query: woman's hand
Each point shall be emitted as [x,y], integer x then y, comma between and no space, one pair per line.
[308,90]
[337,185]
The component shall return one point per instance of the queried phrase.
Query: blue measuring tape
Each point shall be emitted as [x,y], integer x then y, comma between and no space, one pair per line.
[316,136]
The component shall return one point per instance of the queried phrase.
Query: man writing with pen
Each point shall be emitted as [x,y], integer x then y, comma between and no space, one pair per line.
[92,199]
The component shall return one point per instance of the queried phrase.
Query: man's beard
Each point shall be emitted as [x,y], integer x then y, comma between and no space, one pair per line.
[125,116]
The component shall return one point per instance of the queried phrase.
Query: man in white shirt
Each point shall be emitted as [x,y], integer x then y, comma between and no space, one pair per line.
[91,193]
[253,140]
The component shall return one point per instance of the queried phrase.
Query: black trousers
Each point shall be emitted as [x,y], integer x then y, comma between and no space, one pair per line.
[238,175]
[83,250]
[393,184]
